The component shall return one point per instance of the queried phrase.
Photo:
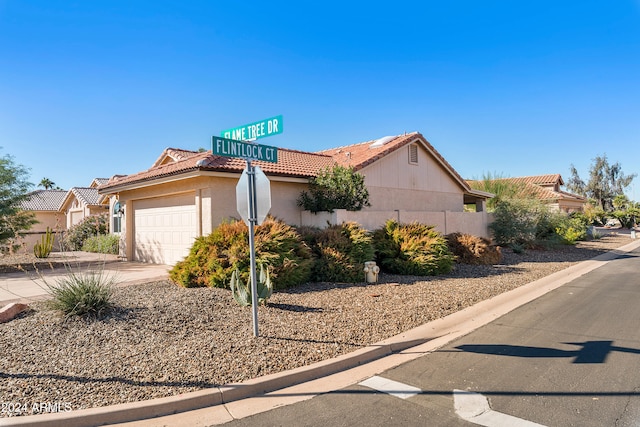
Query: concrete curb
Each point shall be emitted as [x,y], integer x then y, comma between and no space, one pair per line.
[420,340]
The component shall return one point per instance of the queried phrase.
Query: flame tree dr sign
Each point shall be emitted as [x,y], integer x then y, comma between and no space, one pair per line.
[252,182]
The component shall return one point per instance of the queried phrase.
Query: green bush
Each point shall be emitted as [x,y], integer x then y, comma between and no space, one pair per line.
[82,293]
[341,251]
[213,258]
[520,222]
[102,244]
[469,249]
[570,229]
[337,187]
[529,223]
[412,249]
[90,226]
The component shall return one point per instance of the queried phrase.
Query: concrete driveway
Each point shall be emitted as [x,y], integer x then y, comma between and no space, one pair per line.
[30,285]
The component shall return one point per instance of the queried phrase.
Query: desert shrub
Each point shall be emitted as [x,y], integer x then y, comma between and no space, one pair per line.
[341,251]
[520,222]
[469,249]
[82,293]
[529,224]
[280,247]
[412,249]
[102,244]
[213,258]
[90,226]
[570,229]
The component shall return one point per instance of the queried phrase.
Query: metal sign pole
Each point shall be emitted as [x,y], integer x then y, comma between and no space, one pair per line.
[253,214]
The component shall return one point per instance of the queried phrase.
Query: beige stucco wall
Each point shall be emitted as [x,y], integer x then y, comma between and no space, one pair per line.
[475,223]
[52,219]
[215,199]
[424,192]
[395,183]
[398,189]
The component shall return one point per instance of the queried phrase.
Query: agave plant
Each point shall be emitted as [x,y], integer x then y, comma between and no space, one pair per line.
[242,292]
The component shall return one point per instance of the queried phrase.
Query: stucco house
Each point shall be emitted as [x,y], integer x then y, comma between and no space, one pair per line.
[184,194]
[547,188]
[81,202]
[61,209]
[45,204]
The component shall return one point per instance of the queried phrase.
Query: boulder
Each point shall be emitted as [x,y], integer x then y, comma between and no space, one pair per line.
[10,311]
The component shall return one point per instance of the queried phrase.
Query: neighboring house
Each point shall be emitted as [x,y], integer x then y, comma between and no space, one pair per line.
[45,204]
[547,188]
[186,194]
[81,202]
[61,209]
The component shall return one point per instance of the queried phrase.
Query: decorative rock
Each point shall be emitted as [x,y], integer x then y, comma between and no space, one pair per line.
[10,311]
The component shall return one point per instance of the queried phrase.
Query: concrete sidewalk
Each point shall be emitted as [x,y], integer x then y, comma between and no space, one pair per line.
[222,404]
[32,285]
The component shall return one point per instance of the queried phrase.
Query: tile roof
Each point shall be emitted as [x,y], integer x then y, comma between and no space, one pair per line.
[175,154]
[291,163]
[365,153]
[88,196]
[44,200]
[539,187]
[98,182]
[545,180]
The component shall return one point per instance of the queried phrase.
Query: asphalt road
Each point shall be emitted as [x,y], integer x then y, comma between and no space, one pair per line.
[569,358]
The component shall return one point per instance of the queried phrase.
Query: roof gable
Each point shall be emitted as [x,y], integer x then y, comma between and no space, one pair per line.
[86,196]
[97,182]
[363,154]
[172,155]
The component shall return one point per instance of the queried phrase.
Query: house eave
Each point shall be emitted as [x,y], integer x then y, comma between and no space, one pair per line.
[115,188]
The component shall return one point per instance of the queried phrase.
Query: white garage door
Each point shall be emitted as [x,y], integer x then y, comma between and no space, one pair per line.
[164,228]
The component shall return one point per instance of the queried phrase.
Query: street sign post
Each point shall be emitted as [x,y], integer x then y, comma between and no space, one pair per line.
[244,150]
[262,196]
[253,182]
[255,130]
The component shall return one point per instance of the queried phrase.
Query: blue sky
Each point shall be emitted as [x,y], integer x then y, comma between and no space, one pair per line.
[96,88]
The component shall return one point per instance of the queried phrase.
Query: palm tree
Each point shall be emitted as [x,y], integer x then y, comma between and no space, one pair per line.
[46,183]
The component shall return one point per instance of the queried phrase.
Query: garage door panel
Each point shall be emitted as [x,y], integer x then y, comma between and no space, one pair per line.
[164,228]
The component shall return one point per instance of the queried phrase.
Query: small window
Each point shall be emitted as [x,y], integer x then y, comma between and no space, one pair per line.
[117,218]
[413,154]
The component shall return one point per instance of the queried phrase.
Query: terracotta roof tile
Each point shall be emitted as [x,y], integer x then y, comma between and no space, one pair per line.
[549,179]
[365,153]
[99,181]
[175,154]
[539,186]
[290,162]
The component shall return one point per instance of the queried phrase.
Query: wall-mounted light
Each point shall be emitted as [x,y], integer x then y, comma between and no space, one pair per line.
[118,209]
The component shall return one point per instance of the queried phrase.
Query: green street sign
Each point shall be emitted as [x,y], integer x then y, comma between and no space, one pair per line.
[257,130]
[244,150]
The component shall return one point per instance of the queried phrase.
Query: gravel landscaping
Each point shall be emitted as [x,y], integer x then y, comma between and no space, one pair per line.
[162,340]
